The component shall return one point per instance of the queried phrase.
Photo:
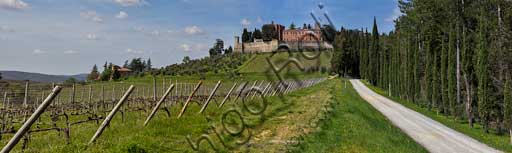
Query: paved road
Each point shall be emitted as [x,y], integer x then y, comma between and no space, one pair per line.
[431,134]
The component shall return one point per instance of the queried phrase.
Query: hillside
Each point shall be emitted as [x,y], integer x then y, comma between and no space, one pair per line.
[259,64]
[39,77]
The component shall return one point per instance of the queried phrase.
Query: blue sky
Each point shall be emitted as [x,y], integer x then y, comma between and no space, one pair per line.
[70,36]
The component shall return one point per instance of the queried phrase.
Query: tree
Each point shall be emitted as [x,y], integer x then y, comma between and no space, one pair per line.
[186,59]
[507,105]
[107,72]
[125,63]
[269,32]
[115,75]
[229,50]
[257,34]
[70,81]
[148,65]
[374,53]
[484,100]
[292,26]
[94,74]
[246,36]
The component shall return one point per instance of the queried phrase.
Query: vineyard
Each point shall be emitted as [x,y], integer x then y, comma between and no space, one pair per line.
[73,106]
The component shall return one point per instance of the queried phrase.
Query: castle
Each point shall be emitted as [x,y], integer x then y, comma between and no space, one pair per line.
[305,38]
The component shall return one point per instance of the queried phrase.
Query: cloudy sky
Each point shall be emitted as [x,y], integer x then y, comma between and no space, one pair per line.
[70,36]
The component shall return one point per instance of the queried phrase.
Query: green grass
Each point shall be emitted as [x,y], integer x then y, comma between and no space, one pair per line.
[259,64]
[355,126]
[165,134]
[501,142]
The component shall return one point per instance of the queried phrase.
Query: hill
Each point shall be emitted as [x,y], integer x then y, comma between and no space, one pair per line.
[259,64]
[39,77]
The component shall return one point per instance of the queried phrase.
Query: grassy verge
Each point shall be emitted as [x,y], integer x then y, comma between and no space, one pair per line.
[355,126]
[501,142]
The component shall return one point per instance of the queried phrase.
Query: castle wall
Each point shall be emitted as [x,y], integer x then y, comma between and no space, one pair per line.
[257,47]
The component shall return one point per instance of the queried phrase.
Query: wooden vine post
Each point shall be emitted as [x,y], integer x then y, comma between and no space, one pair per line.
[189,99]
[26,126]
[111,114]
[210,97]
[157,106]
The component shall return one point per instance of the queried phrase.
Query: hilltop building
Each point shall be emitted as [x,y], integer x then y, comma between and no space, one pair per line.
[305,38]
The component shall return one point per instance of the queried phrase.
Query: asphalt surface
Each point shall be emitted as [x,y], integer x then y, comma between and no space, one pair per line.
[432,135]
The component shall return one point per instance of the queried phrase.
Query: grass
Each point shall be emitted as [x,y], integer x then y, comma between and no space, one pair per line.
[500,142]
[355,126]
[259,64]
[165,134]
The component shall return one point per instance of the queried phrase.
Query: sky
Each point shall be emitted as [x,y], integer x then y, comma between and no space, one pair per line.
[68,37]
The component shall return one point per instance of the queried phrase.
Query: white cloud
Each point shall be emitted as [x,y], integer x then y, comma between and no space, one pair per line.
[130,2]
[91,15]
[122,15]
[394,16]
[13,4]
[155,33]
[139,29]
[245,22]
[70,52]
[186,47]
[259,19]
[133,51]
[196,47]
[193,30]
[92,36]
[38,51]
[6,28]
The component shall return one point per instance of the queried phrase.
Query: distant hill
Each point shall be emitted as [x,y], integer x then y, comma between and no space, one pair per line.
[38,77]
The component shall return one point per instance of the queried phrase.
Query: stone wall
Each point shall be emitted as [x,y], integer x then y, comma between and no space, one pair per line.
[258,46]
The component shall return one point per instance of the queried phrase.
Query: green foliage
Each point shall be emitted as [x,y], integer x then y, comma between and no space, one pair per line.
[94,74]
[346,58]
[507,104]
[292,26]
[269,32]
[70,82]
[246,36]
[227,64]
[257,34]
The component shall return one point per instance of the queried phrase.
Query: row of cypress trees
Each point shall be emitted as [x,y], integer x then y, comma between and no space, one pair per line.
[450,56]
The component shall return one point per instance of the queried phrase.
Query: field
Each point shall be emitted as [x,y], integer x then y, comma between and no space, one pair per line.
[310,115]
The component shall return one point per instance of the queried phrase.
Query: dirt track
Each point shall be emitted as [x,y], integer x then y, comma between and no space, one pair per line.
[431,134]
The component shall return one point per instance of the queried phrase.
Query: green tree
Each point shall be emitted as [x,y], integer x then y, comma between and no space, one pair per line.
[229,50]
[269,32]
[148,65]
[507,105]
[246,36]
[292,26]
[94,74]
[484,100]
[257,34]
[373,54]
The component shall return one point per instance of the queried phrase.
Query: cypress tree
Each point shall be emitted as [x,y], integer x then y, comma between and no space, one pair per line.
[484,103]
[374,54]
[507,105]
